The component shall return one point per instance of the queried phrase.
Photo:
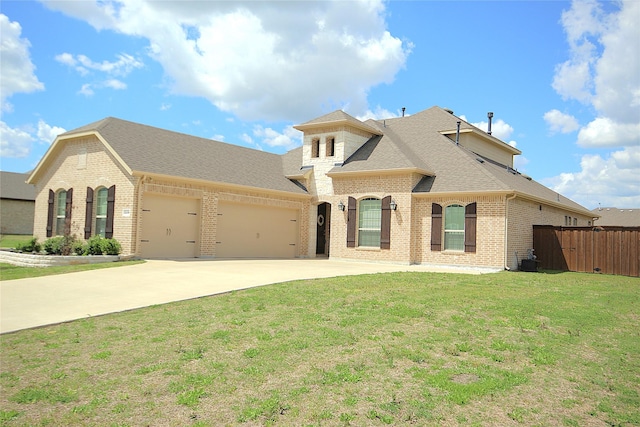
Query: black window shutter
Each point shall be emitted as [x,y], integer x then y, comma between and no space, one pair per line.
[385,224]
[111,201]
[470,218]
[351,223]
[88,217]
[436,227]
[67,212]
[51,202]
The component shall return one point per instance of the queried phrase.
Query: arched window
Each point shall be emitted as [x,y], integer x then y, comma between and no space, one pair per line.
[454,228]
[369,222]
[61,212]
[101,211]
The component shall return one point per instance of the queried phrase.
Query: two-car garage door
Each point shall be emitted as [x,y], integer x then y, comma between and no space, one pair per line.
[171,229]
[254,231]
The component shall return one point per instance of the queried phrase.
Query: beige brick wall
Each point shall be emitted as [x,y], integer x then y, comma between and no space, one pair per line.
[82,163]
[399,188]
[16,216]
[490,228]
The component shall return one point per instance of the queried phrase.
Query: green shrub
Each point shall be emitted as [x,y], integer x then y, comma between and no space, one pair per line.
[31,246]
[98,245]
[60,245]
[53,246]
[80,248]
[110,247]
[94,245]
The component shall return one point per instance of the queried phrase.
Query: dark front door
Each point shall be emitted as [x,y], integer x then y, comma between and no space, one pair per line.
[322,224]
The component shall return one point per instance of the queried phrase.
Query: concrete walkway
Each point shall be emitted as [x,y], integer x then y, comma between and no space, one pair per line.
[28,303]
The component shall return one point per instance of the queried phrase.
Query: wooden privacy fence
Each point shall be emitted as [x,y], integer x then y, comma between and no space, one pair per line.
[609,250]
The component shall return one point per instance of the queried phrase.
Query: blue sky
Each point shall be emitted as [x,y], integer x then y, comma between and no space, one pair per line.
[562,78]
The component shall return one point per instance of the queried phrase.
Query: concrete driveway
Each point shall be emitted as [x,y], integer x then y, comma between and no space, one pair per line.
[28,303]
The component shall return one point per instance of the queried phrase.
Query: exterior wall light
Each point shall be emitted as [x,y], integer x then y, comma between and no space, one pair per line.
[341,206]
[393,205]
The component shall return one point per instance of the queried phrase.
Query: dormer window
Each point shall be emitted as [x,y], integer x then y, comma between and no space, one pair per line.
[315,148]
[331,145]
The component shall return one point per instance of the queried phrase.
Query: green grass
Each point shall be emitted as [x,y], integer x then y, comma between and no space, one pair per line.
[8,241]
[12,272]
[389,349]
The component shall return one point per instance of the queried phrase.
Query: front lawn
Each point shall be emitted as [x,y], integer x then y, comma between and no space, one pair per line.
[388,349]
[9,241]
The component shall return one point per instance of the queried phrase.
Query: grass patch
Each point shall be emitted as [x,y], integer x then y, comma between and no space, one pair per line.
[10,241]
[386,349]
[13,272]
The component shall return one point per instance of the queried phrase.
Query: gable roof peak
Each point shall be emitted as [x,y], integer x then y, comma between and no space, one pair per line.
[337,117]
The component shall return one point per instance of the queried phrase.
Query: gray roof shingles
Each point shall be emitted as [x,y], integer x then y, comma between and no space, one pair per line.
[152,150]
[13,186]
[411,142]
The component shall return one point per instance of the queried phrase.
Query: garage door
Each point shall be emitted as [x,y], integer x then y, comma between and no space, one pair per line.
[170,227]
[253,231]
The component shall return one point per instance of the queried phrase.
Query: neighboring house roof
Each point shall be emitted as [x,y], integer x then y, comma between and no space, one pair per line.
[13,186]
[149,150]
[617,217]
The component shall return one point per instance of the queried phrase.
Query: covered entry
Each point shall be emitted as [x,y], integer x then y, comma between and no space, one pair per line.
[256,231]
[170,227]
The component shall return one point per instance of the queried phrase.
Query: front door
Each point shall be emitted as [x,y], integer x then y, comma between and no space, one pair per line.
[322,229]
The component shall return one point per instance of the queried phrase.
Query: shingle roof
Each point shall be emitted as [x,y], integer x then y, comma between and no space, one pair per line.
[416,142]
[617,217]
[334,117]
[13,186]
[147,149]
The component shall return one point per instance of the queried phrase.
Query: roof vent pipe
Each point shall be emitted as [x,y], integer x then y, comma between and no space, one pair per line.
[489,116]
[458,134]
[403,108]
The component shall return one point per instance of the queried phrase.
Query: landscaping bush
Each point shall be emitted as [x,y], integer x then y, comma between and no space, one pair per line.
[60,245]
[31,246]
[53,246]
[111,247]
[94,245]
[98,245]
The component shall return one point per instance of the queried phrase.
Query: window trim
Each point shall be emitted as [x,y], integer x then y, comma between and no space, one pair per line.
[330,146]
[104,216]
[452,232]
[360,229]
[315,148]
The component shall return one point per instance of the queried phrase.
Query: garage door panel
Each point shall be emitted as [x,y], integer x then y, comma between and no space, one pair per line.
[170,227]
[253,231]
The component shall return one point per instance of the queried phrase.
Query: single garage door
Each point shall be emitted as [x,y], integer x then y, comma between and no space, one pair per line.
[254,231]
[170,227]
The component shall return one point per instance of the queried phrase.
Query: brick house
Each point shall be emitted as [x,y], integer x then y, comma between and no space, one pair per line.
[17,204]
[428,188]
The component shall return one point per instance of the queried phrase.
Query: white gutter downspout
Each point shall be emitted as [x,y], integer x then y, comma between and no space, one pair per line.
[506,230]
[136,226]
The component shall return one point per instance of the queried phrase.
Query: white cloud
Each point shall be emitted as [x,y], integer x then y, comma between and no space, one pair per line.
[610,181]
[561,122]
[165,106]
[604,132]
[18,142]
[378,114]
[289,138]
[255,59]
[16,68]
[86,90]
[47,133]
[14,142]
[603,71]
[115,84]
[83,64]
[499,128]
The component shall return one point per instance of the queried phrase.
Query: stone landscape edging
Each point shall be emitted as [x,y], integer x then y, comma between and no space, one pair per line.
[38,260]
